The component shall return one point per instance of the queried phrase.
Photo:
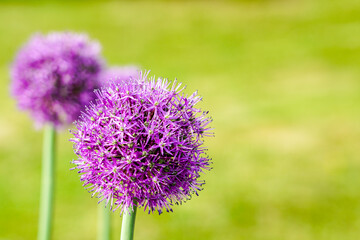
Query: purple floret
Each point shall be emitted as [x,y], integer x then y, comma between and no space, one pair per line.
[118,75]
[54,76]
[141,144]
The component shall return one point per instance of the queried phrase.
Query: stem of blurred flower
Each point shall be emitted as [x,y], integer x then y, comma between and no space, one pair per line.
[128,224]
[104,222]
[47,183]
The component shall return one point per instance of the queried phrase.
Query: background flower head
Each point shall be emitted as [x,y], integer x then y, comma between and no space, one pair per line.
[141,143]
[54,75]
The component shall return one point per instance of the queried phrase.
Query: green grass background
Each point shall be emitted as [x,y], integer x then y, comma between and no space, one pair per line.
[281,80]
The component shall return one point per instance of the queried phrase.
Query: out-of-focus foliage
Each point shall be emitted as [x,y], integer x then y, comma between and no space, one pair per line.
[282,82]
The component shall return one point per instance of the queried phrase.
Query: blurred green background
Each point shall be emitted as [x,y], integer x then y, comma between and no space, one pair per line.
[281,79]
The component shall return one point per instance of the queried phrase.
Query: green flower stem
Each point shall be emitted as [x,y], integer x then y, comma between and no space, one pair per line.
[47,183]
[104,222]
[128,224]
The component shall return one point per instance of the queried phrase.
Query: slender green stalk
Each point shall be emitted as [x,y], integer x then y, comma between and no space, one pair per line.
[47,183]
[104,222]
[128,224]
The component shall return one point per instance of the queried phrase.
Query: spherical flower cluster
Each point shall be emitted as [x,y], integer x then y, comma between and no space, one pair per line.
[54,76]
[118,75]
[141,144]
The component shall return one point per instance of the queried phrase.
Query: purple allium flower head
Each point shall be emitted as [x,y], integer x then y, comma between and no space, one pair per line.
[54,76]
[140,144]
[118,75]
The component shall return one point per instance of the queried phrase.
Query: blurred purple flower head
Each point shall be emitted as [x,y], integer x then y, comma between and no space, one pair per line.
[118,75]
[141,144]
[54,76]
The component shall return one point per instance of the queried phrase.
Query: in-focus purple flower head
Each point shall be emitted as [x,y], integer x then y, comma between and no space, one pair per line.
[118,75]
[141,144]
[54,76]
